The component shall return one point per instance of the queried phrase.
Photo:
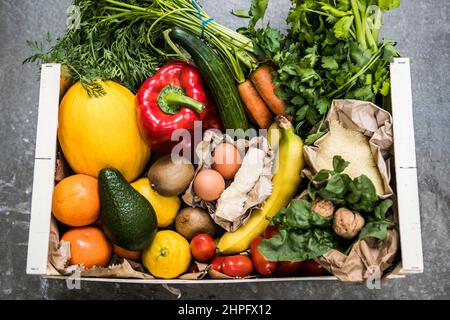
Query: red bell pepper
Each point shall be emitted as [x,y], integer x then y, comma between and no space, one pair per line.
[174,98]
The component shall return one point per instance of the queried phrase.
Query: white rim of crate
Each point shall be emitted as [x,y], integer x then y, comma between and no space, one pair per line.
[405,168]
[44,169]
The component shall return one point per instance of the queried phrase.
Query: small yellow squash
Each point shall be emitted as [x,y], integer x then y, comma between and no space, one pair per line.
[100,132]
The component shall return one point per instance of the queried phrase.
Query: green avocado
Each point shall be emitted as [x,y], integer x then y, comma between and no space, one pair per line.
[129,219]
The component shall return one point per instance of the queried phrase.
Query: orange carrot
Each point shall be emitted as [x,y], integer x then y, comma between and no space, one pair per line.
[263,81]
[255,105]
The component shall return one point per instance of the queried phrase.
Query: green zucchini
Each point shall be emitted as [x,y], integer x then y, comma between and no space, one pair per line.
[217,77]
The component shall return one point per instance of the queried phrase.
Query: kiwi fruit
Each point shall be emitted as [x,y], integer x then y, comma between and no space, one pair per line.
[171,177]
[192,221]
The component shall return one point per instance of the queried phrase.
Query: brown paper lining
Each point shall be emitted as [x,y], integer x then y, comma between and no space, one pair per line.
[372,121]
[255,198]
[367,257]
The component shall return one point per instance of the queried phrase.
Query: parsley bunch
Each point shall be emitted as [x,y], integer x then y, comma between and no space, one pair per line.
[331,51]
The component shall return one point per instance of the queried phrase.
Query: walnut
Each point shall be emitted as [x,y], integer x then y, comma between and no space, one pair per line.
[324,208]
[347,223]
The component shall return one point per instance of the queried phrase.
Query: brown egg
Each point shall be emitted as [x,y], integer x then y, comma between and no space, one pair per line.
[227,160]
[209,185]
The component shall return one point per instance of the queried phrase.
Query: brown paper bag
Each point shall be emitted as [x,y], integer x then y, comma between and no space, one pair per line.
[365,117]
[254,199]
[366,258]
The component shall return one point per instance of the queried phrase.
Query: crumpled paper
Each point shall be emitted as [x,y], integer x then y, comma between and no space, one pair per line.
[254,199]
[368,258]
[365,117]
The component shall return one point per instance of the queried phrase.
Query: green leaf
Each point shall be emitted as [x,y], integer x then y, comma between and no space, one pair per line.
[382,209]
[314,137]
[389,50]
[374,229]
[298,215]
[267,42]
[359,56]
[298,101]
[336,185]
[343,26]
[301,113]
[257,11]
[377,225]
[282,94]
[297,245]
[339,164]
[386,5]
[312,116]
[364,93]
[362,196]
[385,88]
[322,176]
[241,13]
[329,63]
[323,104]
[312,191]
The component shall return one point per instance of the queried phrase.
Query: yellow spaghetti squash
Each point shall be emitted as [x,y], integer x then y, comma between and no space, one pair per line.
[96,133]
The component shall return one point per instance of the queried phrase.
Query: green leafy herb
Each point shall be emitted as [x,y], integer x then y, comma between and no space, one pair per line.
[332,51]
[303,234]
[357,194]
[267,42]
[257,11]
[314,137]
[122,40]
[101,50]
[378,224]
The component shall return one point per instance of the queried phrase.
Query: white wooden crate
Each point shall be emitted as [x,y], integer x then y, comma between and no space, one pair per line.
[405,178]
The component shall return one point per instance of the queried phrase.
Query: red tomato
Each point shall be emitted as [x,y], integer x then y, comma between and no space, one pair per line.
[270,232]
[286,268]
[237,266]
[264,266]
[216,264]
[313,269]
[203,247]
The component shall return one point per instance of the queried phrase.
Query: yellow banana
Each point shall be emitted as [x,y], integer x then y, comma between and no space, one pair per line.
[285,182]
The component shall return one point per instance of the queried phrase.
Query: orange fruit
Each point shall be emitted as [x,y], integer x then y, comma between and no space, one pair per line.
[126,254]
[88,246]
[76,202]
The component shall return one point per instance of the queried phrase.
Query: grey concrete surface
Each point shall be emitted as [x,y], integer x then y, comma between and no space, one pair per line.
[422,28]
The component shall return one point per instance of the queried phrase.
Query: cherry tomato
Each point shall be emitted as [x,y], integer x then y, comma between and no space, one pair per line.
[286,268]
[216,263]
[203,247]
[313,269]
[264,266]
[270,232]
[237,266]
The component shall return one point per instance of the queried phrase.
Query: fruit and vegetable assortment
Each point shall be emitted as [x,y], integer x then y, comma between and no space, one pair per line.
[137,72]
